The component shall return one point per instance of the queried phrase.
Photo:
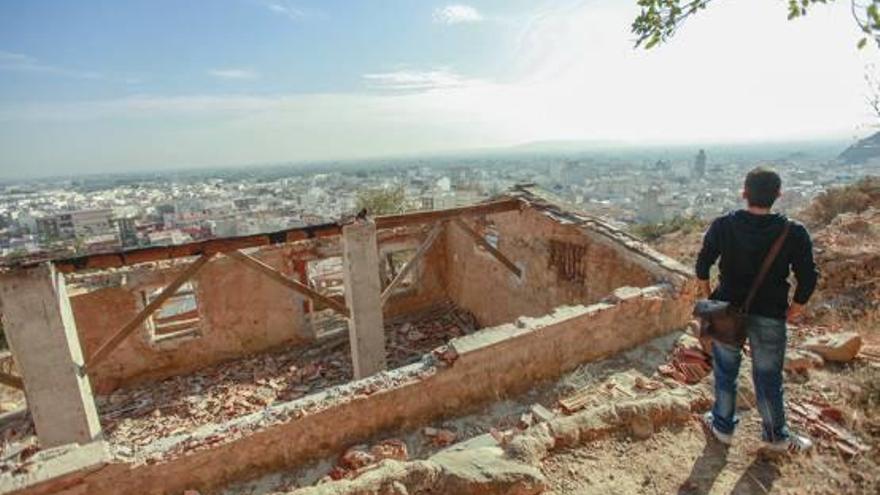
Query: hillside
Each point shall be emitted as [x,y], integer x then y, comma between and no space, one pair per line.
[863,150]
[845,224]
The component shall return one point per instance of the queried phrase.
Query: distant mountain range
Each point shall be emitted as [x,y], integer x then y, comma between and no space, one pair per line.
[863,150]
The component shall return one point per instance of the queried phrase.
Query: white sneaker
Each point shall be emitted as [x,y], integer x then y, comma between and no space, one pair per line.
[725,438]
[794,444]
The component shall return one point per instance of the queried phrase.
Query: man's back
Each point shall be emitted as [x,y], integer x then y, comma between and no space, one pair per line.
[742,240]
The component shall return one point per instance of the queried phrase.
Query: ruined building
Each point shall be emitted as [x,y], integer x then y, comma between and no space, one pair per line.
[357,327]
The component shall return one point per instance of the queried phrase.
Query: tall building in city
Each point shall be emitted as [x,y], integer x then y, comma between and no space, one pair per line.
[84,223]
[47,228]
[127,232]
[650,209]
[700,165]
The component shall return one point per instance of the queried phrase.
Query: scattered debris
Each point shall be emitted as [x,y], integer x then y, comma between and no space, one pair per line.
[430,329]
[501,436]
[689,364]
[823,421]
[641,426]
[440,437]
[848,252]
[870,354]
[360,458]
[647,385]
[541,413]
[800,360]
[842,347]
[138,416]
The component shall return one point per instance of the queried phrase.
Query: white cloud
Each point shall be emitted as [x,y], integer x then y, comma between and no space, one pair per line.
[287,9]
[413,80]
[457,14]
[18,62]
[234,73]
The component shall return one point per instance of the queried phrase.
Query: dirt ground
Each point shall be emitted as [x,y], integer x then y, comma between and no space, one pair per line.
[682,460]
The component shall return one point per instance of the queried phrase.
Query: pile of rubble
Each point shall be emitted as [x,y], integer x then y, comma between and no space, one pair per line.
[410,336]
[138,416]
[848,254]
[19,441]
[825,421]
[690,360]
[356,460]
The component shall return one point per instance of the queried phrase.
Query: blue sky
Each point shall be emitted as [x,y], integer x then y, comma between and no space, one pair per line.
[93,86]
[172,46]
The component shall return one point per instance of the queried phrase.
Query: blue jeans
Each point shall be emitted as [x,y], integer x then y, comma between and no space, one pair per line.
[767,340]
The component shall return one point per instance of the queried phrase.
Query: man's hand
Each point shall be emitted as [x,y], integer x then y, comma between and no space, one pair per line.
[703,289]
[795,313]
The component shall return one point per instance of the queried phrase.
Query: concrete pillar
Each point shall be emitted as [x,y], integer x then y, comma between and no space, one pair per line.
[41,332]
[366,330]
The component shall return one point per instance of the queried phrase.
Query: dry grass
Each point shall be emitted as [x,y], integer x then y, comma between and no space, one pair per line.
[856,197]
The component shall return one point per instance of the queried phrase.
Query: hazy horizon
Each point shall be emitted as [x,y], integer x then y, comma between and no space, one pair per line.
[760,150]
[139,86]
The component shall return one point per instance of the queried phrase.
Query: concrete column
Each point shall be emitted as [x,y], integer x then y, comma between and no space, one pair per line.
[366,330]
[42,334]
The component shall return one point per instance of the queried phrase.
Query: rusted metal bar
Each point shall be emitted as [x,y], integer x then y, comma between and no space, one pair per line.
[145,313]
[498,255]
[412,263]
[282,279]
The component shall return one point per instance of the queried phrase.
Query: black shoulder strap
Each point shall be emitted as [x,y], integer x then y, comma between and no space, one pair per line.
[765,267]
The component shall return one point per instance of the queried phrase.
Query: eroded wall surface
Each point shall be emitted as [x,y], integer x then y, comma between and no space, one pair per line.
[561,263]
[241,311]
[430,279]
[491,363]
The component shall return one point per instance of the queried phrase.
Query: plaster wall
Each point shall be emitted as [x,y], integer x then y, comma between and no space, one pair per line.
[241,312]
[492,363]
[562,263]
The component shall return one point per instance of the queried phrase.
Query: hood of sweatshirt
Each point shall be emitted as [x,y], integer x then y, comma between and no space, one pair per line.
[754,233]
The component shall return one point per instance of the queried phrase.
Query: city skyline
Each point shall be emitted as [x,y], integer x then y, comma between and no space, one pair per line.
[100,87]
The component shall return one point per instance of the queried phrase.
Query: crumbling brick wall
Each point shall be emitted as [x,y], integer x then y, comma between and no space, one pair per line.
[562,264]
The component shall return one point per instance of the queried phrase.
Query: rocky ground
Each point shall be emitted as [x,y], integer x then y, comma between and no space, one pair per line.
[681,460]
[837,403]
[623,425]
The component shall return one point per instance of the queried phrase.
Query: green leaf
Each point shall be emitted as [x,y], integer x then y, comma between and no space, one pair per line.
[862,43]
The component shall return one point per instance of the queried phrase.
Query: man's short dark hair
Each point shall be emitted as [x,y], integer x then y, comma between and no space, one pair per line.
[762,187]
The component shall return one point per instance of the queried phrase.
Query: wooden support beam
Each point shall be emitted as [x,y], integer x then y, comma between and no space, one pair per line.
[288,282]
[127,257]
[11,380]
[145,313]
[498,206]
[488,247]
[412,263]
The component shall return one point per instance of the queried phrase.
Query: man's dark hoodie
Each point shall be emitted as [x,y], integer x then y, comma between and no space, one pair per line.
[742,239]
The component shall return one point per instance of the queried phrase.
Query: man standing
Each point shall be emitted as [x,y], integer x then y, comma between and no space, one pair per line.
[742,239]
